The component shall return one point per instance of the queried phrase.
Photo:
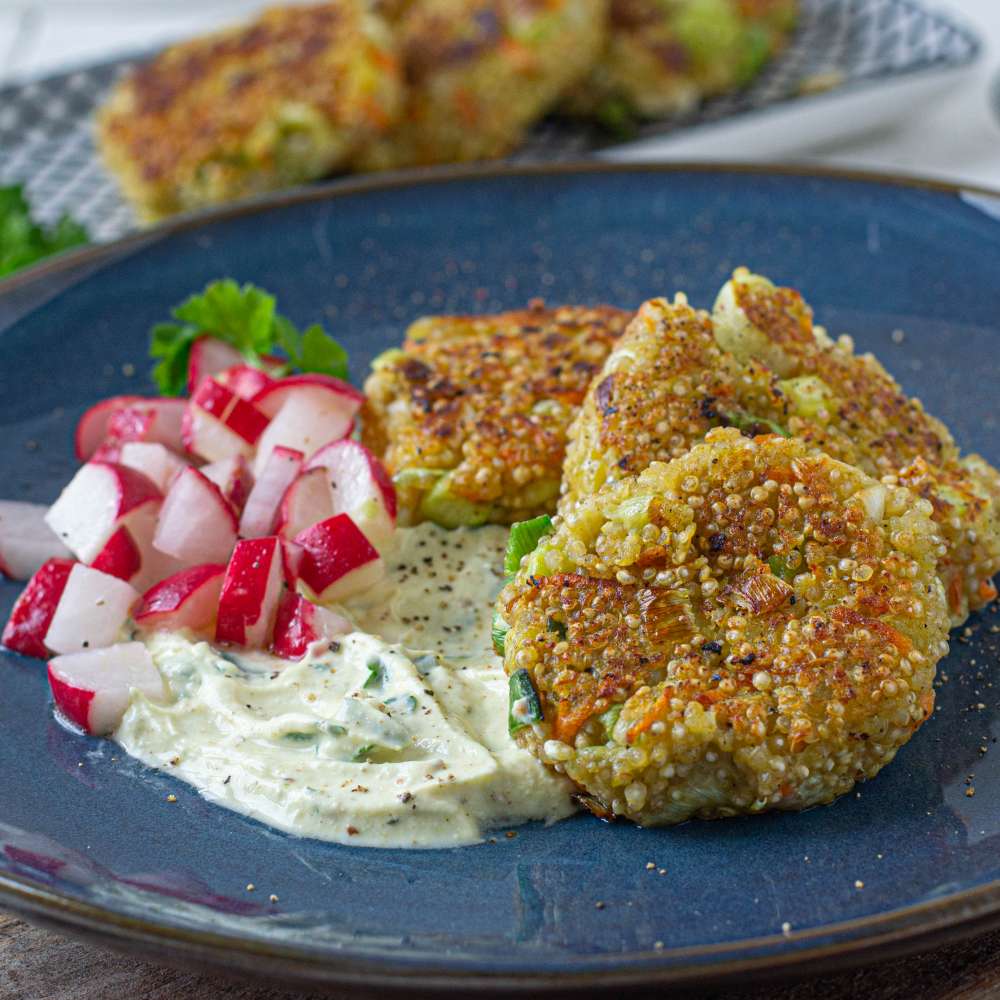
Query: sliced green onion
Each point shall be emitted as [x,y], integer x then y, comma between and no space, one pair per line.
[524,537]
[749,422]
[609,718]
[525,706]
[500,630]
[558,627]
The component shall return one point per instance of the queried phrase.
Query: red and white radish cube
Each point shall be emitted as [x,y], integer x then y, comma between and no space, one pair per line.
[361,487]
[291,561]
[155,461]
[32,612]
[306,502]
[92,689]
[92,427]
[91,611]
[261,510]
[232,476]
[26,541]
[306,412]
[219,424]
[245,380]
[197,524]
[209,356]
[338,559]
[188,599]
[101,498]
[156,421]
[120,556]
[300,623]
[250,594]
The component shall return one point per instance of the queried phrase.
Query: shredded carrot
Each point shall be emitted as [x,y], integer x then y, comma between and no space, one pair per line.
[987,591]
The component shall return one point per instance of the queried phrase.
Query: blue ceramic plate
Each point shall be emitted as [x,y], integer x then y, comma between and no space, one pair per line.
[88,841]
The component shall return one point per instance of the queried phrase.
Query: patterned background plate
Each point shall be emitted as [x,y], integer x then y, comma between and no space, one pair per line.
[841,46]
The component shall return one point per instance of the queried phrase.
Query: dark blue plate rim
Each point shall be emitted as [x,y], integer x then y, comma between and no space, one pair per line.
[830,947]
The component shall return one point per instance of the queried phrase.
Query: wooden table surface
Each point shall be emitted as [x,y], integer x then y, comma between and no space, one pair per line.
[38,965]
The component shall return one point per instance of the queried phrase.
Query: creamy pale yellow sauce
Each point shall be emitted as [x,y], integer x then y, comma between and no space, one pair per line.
[395,737]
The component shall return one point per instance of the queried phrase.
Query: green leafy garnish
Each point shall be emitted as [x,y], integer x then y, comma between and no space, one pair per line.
[403,703]
[609,718]
[525,705]
[246,318]
[524,537]
[23,241]
[781,569]
[362,753]
[376,673]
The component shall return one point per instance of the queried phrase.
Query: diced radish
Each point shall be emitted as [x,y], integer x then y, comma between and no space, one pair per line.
[153,420]
[245,380]
[101,498]
[219,424]
[109,451]
[188,599]
[92,427]
[306,412]
[233,477]
[196,524]
[292,555]
[300,623]
[306,502]
[361,487]
[271,399]
[209,356]
[26,541]
[91,611]
[339,559]
[261,510]
[250,594]
[120,556]
[92,689]
[32,612]
[155,461]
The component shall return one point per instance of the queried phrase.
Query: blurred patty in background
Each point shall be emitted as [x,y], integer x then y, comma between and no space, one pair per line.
[305,91]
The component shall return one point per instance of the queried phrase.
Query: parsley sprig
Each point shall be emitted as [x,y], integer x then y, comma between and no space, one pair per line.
[23,241]
[247,318]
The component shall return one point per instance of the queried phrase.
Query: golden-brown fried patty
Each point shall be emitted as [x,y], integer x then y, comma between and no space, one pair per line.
[283,100]
[471,414]
[663,56]
[751,626]
[759,364]
[481,72]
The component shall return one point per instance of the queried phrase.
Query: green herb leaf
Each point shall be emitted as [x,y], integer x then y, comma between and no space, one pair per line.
[524,538]
[609,718]
[23,241]
[245,317]
[362,752]
[500,630]
[525,705]
[376,673]
[403,703]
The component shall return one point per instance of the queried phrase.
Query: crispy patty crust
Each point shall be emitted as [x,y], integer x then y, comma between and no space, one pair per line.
[662,58]
[751,626]
[280,101]
[481,72]
[471,414]
[759,364]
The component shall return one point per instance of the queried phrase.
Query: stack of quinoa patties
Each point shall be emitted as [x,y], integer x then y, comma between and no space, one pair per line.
[758,550]
[307,90]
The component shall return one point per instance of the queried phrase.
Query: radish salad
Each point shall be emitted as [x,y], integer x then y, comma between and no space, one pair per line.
[222,587]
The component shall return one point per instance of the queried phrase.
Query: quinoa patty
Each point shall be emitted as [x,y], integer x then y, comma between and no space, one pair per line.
[481,72]
[759,364]
[664,56]
[751,626]
[285,99]
[471,414]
